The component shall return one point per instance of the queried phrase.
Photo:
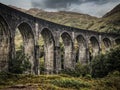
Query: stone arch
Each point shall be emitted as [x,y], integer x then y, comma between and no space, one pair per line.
[67,45]
[4,44]
[94,47]
[49,44]
[82,46]
[28,42]
[107,43]
[117,41]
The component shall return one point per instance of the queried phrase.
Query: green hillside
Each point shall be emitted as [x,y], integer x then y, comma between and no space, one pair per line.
[58,82]
[108,23]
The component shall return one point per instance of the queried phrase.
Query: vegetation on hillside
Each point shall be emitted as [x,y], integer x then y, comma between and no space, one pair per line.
[103,73]
[106,66]
[105,63]
[108,23]
[59,82]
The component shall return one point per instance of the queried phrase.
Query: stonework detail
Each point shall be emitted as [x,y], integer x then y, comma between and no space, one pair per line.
[90,43]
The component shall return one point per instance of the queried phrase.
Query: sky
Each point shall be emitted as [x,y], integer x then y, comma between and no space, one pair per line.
[92,7]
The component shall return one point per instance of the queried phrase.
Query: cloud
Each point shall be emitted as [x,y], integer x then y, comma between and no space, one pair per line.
[92,7]
[26,4]
[53,4]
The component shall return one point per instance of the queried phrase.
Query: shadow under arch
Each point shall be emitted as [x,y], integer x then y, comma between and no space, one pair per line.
[107,44]
[94,47]
[66,51]
[81,47]
[5,51]
[48,47]
[28,43]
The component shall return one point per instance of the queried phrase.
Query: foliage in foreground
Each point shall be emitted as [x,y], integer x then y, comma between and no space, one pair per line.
[80,70]
[19,64]
[70,83]
[105,63]
[60,82]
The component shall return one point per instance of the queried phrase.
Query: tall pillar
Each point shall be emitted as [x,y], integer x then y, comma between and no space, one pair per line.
[37,64]
[73,56]
[37,52]
[12,49]
[57,57]
[100,44]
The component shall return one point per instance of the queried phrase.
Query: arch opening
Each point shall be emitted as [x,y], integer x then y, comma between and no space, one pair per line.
[107,44]
[66,51]
[80,47]
[94,47]
[4,44]
[46,43]
[24,43]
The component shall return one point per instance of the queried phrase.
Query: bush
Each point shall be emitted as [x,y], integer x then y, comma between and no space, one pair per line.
[70,83]
[19,64]
[42,66]
[103,64]
[80,70]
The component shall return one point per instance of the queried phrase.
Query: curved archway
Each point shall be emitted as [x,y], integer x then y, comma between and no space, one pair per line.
[66,61]
[107,44]
[4,44]
[81,49]
[94,47]
[26,42]
[48,47]
[117,41]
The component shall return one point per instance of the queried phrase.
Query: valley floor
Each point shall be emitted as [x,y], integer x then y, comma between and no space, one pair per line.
[59,82]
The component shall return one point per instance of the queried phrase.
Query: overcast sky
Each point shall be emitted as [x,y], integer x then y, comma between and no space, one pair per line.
[92,7]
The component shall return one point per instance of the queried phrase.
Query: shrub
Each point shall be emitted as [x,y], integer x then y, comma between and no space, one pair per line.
[70,83]
[103,64]
[19,64]
[42,66]
[80,70]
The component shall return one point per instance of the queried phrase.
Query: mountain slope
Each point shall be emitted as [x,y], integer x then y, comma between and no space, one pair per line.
[78,20]
[110,22]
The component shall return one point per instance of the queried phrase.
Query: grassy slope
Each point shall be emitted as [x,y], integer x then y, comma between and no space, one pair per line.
[108,23]
[78,20]
[59,82]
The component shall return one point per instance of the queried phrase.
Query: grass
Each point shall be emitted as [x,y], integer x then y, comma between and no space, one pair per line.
[61,82]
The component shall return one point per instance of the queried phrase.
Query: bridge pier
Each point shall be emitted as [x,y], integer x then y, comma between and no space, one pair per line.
[57,58]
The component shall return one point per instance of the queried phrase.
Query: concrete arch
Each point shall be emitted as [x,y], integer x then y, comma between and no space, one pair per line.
[117,41]
[27,24]
[28,42]
[107,43]
[94,47]
[67,34]
[82,46]
[49,45]
[4,44]
[49,30]
[68,45]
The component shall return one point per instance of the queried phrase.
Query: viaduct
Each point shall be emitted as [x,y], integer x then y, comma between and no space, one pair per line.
[32,27]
